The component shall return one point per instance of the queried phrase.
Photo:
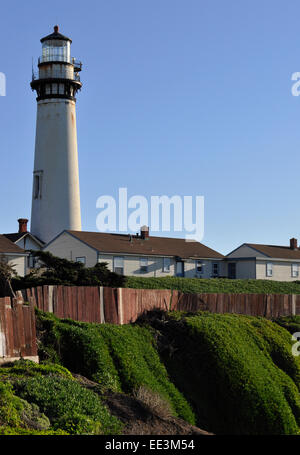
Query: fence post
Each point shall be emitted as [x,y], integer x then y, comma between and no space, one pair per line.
[293,304]
[120,305]
[50,299]
[2,328]
[102,314]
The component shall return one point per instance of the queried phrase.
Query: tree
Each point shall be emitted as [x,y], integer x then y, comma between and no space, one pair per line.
[54,270]
[7,273]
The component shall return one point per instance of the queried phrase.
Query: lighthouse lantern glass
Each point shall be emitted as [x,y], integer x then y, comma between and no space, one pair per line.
[56,51]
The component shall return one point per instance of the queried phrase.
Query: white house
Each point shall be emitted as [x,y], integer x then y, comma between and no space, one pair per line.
[139,255]
[26,241]
[268,262]
[13,255]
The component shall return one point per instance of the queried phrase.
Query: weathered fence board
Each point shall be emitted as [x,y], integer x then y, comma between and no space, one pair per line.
[17,330]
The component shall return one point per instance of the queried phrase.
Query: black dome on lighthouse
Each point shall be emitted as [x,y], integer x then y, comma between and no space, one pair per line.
[56,35]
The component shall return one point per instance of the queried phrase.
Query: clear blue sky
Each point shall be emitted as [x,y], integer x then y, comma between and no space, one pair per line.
[180,97]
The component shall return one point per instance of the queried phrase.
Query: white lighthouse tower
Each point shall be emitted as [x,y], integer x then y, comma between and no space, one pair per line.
[56,196]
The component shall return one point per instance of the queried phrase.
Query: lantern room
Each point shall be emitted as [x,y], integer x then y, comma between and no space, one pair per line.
[56,48]
[57,75]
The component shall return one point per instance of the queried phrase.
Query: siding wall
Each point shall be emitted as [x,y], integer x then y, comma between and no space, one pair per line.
[132,265]
[155,266]
[19,263]
[245,269]
[68,247]
[27,244]
[282,271]
[244,251]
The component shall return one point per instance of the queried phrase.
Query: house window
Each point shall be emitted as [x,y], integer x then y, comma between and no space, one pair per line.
[199,267]
[31,261]
[119,265]
[269,269]
[144,264]
[295,270]
[215,269]
[81,259]
[166,264]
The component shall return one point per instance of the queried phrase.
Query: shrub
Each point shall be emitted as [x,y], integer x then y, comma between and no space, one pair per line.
[290,323]
[27,368]
[18,414]
[238,371]
[13,431]
[153,401]
[10,406]
[120,358]
[69,406]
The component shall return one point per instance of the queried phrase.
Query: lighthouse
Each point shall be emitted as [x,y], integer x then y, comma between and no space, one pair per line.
[55,194]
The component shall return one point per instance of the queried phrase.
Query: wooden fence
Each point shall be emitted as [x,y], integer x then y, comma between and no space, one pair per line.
[124,305]
[17,330]
[98,304]
[118,306]
[266,305]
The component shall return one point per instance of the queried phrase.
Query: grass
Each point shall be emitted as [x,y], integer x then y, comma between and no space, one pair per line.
[214,285]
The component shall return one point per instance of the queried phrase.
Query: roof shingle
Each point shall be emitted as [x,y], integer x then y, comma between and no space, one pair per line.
[151,246]
[276,251]
[6,246]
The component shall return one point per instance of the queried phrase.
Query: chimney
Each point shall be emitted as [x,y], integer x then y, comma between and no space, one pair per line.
[293,244]
[22,225]
[144,232]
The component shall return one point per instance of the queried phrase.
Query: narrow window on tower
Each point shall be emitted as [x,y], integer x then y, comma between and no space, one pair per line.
[37,185]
